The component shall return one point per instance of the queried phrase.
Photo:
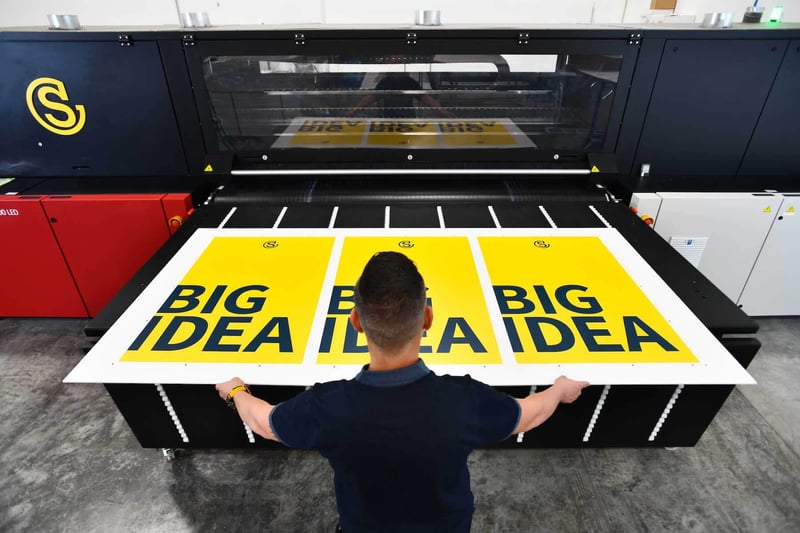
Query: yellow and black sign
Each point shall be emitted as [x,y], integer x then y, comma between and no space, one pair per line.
[329,132]
[461,332]
[561,300]
[66,121]
[245,300]
[325,132]
[510,308]
[399,133]
[464,133]
[568,300]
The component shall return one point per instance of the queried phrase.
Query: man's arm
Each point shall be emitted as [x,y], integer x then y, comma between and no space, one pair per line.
[433,103]
[253,411]
[538,407]
[367,101]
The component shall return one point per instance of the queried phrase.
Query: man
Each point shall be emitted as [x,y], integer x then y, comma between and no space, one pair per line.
[397,435]
[397,92]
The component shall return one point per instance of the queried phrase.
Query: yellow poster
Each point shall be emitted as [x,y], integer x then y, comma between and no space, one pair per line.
[461,332]
[568,300]
[399,133]
[386,132]
[476,133]
[323,132]
[245,300]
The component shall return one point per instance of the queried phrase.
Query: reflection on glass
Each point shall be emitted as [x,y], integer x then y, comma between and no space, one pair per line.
[551,102]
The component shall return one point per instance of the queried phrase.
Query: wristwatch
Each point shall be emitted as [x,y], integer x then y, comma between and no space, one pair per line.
[234,391]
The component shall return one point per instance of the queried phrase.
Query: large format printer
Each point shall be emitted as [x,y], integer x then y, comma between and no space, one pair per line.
[424,137]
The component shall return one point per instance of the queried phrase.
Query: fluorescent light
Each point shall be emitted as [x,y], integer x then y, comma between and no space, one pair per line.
[463,67]
[531,63]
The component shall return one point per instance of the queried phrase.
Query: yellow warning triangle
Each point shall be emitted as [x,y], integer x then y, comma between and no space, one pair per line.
[595,169]
[208,168]
[790,210]
[767,209]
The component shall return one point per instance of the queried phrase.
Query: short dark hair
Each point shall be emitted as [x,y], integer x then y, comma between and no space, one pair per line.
[390,300]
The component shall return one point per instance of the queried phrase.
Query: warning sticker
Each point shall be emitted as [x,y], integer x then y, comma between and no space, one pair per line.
[244,300]
[461,332]
[568,300]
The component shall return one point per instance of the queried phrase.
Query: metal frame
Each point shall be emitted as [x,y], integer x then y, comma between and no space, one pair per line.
[203,45]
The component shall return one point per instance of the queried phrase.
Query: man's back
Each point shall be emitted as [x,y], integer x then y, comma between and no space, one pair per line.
[397,435]
[398,442]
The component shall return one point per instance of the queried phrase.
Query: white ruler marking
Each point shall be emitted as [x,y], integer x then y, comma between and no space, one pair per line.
[603,220]
[280,217]
[333,217]
[547,216]
[249,432]
[596,414]
[665,413]
[494,218]
[227,217]
[171,411]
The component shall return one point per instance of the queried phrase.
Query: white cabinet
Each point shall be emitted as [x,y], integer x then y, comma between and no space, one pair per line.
[747,244]
[774,284]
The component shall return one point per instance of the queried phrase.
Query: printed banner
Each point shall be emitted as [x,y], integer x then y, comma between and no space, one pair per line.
[477,133]
[245,300]
[325,132]
[568,300]
[461,332]
[322,132]
[399,133]
[511,307]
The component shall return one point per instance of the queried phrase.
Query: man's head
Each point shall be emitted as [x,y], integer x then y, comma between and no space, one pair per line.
[390,301]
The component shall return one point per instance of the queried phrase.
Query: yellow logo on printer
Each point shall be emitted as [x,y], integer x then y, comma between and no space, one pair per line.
[69,121]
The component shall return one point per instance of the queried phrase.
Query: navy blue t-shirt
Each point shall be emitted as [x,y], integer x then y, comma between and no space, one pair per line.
[398,443]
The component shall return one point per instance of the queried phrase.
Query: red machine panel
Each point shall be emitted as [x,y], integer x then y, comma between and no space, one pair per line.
[177,208]
[34,277]
[106,238]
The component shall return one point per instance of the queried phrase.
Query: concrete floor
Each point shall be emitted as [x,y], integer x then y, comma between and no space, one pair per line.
[68,462]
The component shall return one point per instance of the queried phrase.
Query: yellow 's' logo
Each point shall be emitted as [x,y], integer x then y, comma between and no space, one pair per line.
[73,120]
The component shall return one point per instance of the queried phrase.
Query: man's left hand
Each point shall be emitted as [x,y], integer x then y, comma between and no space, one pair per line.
[225,388]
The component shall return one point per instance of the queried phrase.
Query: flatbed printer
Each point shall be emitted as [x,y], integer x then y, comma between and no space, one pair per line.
[448,134]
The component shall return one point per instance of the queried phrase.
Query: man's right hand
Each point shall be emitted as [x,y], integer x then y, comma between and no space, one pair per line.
[537,407]
[225,388]
[569,389]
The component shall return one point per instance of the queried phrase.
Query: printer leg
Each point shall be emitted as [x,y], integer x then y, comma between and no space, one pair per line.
[168,453]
